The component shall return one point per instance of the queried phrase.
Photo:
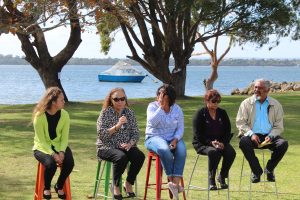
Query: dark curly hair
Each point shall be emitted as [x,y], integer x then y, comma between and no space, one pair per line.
[168,90]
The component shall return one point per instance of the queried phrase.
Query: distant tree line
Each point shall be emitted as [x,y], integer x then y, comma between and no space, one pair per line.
[16,60]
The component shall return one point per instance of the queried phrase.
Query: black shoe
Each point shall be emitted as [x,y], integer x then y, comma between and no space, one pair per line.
[47,196]
[270,175]
[118,196]
[222,182]
[255,178]
[212,184]
[129,194]
[213,187]
[61,196]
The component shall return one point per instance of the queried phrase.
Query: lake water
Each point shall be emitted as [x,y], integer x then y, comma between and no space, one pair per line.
[21,84]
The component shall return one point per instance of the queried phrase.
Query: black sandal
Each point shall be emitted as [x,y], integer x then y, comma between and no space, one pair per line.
[61,196]
[47,196]
[116,196]
[129,194]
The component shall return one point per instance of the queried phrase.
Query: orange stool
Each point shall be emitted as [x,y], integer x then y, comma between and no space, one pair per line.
[158,177]
[39,184]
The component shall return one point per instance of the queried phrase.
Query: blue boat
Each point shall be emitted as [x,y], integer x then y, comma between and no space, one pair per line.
[122,72]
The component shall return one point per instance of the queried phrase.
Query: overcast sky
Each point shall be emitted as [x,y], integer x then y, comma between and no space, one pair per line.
[90,47]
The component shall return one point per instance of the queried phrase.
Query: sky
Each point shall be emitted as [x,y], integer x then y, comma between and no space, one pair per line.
[90,47]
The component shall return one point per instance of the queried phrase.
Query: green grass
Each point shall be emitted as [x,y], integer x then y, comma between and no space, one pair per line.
[18,166]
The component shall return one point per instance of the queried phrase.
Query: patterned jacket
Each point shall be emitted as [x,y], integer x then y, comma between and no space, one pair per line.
[128,133]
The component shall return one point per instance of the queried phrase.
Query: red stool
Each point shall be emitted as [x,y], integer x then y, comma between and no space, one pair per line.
[158,177]
[39,184]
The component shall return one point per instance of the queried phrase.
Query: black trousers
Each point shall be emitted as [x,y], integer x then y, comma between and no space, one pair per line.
[214,157]
[50,167]
[120,159]
[278,147]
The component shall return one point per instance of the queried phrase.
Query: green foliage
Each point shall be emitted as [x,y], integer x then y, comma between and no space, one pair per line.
[18,166]
[106,25]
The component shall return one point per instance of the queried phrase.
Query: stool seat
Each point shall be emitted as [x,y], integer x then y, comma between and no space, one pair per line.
[158,177]
[39,184]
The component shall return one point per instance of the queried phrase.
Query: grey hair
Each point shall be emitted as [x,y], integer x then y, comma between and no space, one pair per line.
[267,83]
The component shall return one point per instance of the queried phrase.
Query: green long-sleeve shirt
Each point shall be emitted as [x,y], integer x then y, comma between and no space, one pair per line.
[42,141]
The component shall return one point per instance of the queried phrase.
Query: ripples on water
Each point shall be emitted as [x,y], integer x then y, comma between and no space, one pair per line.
[21,84]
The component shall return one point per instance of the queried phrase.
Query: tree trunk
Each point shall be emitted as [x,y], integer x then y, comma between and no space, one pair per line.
[51,77]
[178,80]
[35,47]
[209,83]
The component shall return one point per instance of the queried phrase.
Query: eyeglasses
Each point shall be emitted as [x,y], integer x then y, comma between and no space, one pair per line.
[119,99]
[215,100]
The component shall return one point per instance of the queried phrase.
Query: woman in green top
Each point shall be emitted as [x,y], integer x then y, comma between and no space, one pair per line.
[51,126]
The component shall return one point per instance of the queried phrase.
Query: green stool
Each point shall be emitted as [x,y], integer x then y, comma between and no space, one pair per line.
[107,168]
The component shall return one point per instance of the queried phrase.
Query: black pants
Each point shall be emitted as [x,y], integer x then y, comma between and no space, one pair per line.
[50,167]
[120,159]
[214,157]
[278,147]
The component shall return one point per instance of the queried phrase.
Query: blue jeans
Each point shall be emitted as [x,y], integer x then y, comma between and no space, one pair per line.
[172,162]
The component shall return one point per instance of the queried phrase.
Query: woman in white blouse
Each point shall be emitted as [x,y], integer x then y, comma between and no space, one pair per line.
[164,131]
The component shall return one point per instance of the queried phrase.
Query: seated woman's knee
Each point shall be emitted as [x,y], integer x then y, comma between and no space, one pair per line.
[213,153]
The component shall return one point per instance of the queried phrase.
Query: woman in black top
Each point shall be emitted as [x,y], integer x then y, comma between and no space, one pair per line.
[212,134]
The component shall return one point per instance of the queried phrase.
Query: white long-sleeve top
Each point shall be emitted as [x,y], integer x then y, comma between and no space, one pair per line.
[166,125]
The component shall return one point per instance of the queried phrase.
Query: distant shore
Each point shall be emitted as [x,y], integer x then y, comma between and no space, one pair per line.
[16,60]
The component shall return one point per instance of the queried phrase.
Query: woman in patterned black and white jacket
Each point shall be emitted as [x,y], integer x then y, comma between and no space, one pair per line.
[117,139]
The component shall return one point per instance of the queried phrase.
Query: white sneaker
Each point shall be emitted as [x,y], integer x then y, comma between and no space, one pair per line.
[173,188]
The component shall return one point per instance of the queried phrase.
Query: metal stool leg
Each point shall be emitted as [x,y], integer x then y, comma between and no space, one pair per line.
[264,178]
[241,173]
[97,181]
[207,188]
[189,185]
[228,195]
[107,167]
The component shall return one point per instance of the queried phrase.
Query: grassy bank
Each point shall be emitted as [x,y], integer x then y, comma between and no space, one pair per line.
[18,166]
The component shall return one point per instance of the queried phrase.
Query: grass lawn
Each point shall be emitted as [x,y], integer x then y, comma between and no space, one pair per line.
[18,166]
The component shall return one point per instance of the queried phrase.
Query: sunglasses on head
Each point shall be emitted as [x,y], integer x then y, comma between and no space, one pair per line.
[119,99]
[215,100]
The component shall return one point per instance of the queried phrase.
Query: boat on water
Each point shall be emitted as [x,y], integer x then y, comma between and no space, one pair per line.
[122,72]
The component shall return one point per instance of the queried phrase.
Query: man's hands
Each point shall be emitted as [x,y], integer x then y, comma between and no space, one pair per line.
[256,139]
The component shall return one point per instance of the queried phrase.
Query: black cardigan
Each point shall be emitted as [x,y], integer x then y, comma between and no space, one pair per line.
[200,141]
